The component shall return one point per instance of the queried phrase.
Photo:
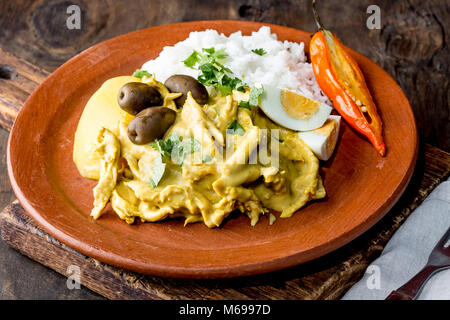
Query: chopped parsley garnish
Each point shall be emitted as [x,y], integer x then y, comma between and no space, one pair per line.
[190,145]
[207,158]
[244,105]
[141,73]
[192,59]
[158,171]
[212,72]
[259,51]
[272,219]
[213,54]
[255,93]
[175,149]
[165,147]
[235,128]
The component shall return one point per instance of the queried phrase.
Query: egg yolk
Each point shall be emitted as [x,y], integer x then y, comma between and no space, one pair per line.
[297,106]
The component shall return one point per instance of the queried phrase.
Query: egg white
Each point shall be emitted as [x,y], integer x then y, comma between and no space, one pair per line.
[272,107]
[322,145]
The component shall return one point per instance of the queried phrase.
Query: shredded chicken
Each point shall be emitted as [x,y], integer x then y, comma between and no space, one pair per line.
[108,147]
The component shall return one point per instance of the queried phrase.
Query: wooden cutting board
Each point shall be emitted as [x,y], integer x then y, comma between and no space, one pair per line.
[326,278]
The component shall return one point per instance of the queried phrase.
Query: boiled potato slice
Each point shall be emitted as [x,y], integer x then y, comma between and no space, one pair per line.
[102,110]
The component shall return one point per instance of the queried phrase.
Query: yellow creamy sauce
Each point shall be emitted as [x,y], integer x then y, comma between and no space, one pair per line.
[198,190]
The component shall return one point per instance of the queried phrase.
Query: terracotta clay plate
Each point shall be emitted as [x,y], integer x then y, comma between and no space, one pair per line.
[361,185]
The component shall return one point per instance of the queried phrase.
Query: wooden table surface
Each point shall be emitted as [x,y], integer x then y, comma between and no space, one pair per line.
[412,46]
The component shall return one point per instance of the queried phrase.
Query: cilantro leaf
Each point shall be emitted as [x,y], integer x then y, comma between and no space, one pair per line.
[184,148]
[212,72]
[175,149]
[139,73]
[224,89]
[207,158]
[209,50]
[235,128]
[190,145]
[174,137]
[177,155]
[259,51]
[159,168]
[272,219]
[244,105]
[159,146]
[217,55]
[163,147]
[192,59]
[238,84]
[255,93]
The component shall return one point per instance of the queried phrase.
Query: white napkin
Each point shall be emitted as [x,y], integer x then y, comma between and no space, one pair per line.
[407,253]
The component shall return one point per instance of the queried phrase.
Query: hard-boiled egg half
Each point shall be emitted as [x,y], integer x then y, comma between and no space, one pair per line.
[322,141]
[318,129]
[292,110]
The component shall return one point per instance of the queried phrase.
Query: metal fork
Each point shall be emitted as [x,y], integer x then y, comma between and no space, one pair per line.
[438,260]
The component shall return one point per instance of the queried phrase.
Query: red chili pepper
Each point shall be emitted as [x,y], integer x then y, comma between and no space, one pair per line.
[341,79]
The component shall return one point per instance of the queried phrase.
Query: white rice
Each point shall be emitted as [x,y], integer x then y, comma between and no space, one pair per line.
[283,66]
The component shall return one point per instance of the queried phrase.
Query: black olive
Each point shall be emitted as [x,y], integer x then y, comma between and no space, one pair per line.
[150,124]
[134,97]
[184,84]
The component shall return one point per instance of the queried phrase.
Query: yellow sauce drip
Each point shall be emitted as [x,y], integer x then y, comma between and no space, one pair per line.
[206,191]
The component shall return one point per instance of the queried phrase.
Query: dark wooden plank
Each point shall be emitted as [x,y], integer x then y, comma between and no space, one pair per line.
[412,44]
[6,193]
[18,81]
[325,278]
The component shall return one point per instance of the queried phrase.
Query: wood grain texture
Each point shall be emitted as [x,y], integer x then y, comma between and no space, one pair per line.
[21,277]
[412,44]
[6,193]
[18,82]
[40,162]
[326,278]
